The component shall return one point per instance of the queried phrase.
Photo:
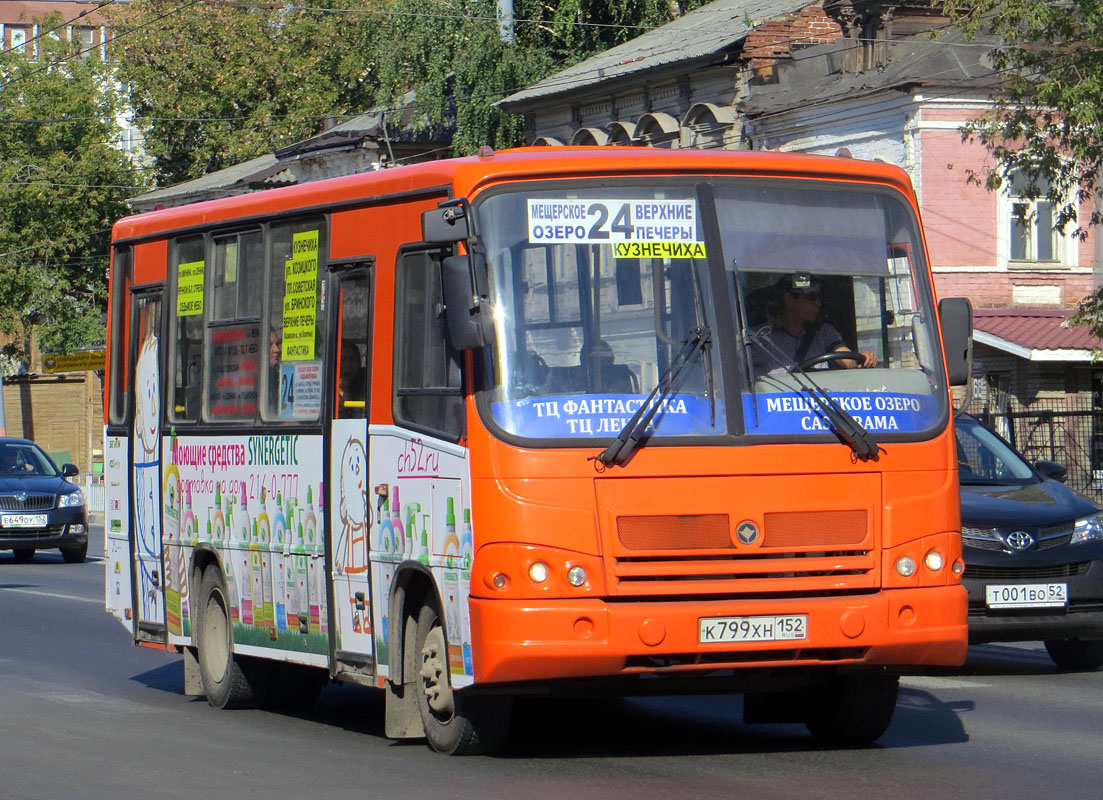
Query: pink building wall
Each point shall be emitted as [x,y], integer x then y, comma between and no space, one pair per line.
[963,227]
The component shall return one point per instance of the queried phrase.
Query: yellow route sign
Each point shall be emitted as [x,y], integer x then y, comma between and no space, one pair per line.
[77,362]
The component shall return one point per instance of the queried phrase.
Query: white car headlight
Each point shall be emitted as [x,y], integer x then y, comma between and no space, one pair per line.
[69,500]
[1088,529]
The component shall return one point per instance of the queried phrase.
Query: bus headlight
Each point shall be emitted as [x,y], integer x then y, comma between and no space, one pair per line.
[538,571]
[905,566]
[576,576]
[933,560]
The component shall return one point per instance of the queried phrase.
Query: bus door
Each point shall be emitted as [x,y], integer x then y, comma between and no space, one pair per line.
[145,471]
[350,519]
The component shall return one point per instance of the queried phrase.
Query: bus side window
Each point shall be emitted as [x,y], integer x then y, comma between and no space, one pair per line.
[189,282]
[428,389]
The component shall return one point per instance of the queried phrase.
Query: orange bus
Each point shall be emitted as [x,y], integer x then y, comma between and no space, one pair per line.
[541,421]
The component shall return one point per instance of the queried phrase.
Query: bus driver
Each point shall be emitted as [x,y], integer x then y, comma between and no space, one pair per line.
[799,332]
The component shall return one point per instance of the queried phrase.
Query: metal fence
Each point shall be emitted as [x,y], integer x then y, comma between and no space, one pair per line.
[1068,430]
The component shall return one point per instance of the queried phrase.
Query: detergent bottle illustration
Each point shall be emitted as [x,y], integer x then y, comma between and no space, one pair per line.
[189,525]
[302,581]
[218,519]
[385,544]
[423,549]
[256,578]
[241,531]
[310,536]
[410,529]
[451,540]
[279,565]
[398,532]
[466,543]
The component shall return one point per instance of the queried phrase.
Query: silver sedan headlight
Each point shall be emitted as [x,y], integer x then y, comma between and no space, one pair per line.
[1088,529]
[70,500]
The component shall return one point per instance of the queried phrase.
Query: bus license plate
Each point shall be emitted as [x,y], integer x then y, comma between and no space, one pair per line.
[753,629]
[23,520]
[1027,595]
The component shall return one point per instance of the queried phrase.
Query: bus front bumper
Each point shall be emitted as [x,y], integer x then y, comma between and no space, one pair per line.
[526,640]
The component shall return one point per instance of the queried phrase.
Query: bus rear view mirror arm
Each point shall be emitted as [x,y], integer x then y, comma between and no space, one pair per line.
[466,309]
[955,316]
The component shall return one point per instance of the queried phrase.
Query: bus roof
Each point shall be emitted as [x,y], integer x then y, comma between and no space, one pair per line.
[462,176]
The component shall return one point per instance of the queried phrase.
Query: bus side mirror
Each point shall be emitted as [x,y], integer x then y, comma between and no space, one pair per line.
[955,316]
[466,310]
[446,223]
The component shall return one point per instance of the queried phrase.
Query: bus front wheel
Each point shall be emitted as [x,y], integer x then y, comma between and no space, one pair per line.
[852,709]
[229,681]
[455,723]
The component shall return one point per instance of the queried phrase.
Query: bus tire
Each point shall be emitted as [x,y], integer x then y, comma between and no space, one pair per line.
[455,723]
[1076,654]
[229,681]
[852,710]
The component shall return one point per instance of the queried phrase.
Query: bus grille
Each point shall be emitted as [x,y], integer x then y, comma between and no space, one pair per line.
[801,552]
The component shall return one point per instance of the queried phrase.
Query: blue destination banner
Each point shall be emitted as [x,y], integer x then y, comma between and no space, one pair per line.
[877,412]
[603,415]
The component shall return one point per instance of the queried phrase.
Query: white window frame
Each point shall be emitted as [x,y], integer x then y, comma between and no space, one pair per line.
[1065,253]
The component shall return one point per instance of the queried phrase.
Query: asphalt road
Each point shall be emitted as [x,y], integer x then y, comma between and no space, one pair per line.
[84,714]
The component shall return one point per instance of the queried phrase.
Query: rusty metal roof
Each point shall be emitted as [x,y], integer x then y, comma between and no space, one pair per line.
[1035,334]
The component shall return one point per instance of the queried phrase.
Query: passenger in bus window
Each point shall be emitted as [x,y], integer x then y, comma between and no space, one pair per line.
[352,402]
[799,331]
[275,343]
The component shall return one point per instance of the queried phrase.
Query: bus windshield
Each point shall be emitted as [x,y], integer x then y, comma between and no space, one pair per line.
[596,290]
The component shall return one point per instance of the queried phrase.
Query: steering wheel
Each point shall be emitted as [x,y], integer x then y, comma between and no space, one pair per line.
[833,356]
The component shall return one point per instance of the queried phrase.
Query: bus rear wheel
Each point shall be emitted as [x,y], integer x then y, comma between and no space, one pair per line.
[455,723]
[852,710]
[229,681]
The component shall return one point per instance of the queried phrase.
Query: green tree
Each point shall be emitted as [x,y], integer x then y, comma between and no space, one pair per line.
[63,182]
[1047,121]
[453,57]
[213,84]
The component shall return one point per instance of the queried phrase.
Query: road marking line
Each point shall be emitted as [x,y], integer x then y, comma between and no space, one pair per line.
[933,682]
[96,600]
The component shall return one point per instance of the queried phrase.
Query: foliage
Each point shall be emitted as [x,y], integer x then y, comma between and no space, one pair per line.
[213,84]
[1048,116]
[63,182]
[454,57]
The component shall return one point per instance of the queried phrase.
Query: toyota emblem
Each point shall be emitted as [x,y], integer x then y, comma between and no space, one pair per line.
[1019,540]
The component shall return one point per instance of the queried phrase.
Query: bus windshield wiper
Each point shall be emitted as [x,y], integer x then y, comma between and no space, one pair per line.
[634,430]
[842,422]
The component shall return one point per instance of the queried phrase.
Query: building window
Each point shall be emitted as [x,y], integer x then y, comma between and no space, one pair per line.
[1030,225]
[84,40]
[18,38]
